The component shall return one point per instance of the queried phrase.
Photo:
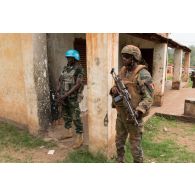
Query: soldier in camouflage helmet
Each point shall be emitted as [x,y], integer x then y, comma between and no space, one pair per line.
[69,92]
[139,83]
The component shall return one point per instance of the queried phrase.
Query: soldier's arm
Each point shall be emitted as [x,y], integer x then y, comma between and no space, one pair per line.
[146,86]
[59,84]
[79,75]
[76,86]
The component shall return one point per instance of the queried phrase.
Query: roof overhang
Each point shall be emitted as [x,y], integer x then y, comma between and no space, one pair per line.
[155,37]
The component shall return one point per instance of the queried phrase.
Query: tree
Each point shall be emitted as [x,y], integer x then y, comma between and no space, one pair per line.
[192,56]
[170,56]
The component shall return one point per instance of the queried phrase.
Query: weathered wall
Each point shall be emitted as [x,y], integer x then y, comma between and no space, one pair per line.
[30,90]
[12,87]
[24,90]
[41,78]
[102,55]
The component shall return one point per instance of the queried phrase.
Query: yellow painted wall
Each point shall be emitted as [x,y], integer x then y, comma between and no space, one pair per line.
[12,85]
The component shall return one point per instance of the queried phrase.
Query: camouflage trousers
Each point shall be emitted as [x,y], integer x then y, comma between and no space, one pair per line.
[71,113]
[123,129]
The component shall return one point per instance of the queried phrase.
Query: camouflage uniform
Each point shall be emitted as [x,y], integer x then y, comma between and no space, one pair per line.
[70,107]
[140,86]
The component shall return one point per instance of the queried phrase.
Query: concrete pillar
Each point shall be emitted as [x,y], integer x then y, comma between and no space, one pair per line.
[186,66]
[36,81]
[102,55]
[177,69]
[159,68]
[41,78]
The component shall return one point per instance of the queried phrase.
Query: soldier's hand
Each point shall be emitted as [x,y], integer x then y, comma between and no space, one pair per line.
[114,90]
[58,99]
[138,114]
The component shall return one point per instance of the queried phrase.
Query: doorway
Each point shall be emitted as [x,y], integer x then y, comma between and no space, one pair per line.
[147,56]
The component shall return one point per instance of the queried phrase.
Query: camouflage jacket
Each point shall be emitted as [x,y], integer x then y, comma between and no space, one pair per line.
[140,86]
[146,90]
[68,79]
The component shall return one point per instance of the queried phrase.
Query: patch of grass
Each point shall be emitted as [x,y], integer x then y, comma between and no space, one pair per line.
[128,156]
[189,83]
[7,158]
[165,150]
[192,129]
[84,156]
[11,136]
[169,77]
[156,123]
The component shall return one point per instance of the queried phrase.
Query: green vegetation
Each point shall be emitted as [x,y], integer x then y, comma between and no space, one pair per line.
[165,150]
[11,136]
[158,145]
[189,83]
[170,56]
[192,56]
[170,77]
[84,156]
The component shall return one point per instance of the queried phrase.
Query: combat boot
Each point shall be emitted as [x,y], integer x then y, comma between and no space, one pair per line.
[78,141]
[120,159]
[68,134]
[138,161]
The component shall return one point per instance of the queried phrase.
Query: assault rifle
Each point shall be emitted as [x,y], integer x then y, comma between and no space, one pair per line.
[54,105]
[125,96]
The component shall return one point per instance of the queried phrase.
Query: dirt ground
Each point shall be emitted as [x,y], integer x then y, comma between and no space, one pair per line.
[40,154]
[183,134]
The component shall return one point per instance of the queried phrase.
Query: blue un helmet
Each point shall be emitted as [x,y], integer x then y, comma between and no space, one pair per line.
[73,53]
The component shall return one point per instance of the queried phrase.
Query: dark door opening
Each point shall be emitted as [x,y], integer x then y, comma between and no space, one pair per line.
[80,46]
[147,55]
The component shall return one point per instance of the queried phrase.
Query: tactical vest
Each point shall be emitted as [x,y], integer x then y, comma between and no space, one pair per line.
[130,81]
[68,80]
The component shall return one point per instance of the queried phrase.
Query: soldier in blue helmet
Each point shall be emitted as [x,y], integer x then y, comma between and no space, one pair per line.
[69,92]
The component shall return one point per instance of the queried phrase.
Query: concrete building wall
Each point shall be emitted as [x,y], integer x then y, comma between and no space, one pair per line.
[12,87]
[24,89]
[30,91]
[41,79]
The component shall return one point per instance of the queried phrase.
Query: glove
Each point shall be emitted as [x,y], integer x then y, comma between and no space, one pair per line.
[114,91]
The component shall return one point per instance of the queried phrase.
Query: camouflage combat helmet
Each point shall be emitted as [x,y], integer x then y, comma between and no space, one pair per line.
[133,50]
